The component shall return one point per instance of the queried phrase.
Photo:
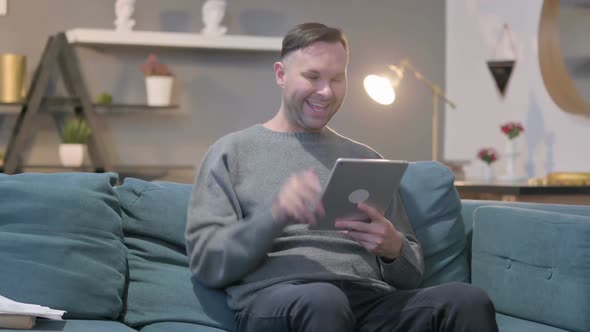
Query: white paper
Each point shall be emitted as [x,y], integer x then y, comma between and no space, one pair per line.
[10,307]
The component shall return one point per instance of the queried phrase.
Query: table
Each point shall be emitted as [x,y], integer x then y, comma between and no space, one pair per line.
[524,192]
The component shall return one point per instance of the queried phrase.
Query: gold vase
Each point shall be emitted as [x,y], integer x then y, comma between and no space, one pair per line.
[12,77]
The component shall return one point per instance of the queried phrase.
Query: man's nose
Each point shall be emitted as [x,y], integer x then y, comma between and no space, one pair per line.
[326,90]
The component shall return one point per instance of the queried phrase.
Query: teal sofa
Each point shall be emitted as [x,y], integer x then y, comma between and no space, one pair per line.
[113,255]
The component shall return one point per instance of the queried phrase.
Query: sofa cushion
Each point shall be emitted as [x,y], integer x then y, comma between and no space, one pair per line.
[178,327]
[513,324]
[61,243]
[45,325]
[433,206]
[160,286]
[534,264]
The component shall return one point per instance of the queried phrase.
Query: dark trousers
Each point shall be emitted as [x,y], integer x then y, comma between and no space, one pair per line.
[347,306]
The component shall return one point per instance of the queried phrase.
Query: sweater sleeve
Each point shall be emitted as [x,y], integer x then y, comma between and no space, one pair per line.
[405,272]
[222,246]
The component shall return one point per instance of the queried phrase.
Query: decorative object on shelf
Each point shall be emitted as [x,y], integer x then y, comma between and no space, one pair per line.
[512,130]
[104,98]
[12,77]
[123,11]
[158,81]
[1,158]
[382,90]
[488,156]
[569,178]
[213,12]
[75,136]
[501,68]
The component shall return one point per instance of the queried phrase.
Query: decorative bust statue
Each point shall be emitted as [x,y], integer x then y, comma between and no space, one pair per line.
[213,12]
[123,11]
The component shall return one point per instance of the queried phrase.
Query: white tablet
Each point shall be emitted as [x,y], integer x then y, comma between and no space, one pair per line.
[357,180]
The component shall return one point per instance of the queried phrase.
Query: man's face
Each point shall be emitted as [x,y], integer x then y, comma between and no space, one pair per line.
[314,83]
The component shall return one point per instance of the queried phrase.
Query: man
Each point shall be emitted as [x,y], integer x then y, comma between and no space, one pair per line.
[258,190]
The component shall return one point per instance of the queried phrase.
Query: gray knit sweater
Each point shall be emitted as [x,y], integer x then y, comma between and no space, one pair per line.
[233,242]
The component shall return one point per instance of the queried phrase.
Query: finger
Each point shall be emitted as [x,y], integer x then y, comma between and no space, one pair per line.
[320,209]
[308,188]
[301,212]
[373,213]
[360,226]
[314,180]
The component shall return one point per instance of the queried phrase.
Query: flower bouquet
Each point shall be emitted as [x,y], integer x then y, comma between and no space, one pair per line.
[488,155]
[512,129]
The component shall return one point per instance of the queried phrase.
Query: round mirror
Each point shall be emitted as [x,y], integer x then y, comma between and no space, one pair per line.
[564,53]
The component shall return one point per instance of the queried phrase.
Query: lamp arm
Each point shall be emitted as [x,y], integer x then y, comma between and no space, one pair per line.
[436,90]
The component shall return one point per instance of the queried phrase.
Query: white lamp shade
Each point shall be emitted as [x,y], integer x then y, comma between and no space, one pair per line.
[380,89]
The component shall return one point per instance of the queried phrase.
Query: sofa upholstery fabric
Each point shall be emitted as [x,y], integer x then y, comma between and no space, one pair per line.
[154,219]
[61,243]
[434,208]
[544,257]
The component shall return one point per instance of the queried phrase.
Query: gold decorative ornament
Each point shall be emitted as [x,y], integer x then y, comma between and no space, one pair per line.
[12,77]
[569,179]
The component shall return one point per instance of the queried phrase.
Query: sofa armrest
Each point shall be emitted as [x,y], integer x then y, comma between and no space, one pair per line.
[468,207]
[534,264]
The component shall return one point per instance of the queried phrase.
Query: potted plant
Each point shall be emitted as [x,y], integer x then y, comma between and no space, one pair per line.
[74,138]
[158,81]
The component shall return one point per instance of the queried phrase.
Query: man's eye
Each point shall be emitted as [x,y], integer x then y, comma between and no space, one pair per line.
[311,77]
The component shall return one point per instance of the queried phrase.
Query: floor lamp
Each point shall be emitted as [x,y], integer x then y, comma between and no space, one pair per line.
[382,90]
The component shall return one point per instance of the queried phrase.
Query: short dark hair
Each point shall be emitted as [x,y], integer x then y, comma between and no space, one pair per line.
[305,34]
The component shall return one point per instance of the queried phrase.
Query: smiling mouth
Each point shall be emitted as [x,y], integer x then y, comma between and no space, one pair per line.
[317,107]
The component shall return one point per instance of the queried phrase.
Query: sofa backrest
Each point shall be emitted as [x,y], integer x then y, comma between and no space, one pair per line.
[534,264]
[61,243]
[434,208]
[160,287]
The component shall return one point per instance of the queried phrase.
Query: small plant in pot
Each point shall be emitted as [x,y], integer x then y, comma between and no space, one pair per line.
[75,135]
[158,81]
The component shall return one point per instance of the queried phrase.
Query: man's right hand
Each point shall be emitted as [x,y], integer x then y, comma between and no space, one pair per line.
[299,199]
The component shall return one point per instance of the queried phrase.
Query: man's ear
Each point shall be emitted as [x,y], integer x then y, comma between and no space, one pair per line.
[280,73]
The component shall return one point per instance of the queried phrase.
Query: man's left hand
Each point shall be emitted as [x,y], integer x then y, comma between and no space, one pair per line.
[379,236]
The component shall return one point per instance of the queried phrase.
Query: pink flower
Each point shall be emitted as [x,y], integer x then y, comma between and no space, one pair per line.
[488,155]
[512,129]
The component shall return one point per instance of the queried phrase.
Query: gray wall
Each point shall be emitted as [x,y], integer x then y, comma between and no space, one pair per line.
[219,92]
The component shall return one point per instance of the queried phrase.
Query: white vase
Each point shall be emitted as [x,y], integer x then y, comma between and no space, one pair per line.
[487,173]
[71,155]
[159,90]
[511,155]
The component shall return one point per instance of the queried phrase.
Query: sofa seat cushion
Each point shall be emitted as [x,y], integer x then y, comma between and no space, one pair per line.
[534,264]
[513,324]
[160,286]
[178,327]
[61,243]
[434,208]
[44,325]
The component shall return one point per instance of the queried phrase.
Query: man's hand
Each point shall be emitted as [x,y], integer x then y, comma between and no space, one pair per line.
[379,236]
[299,199]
